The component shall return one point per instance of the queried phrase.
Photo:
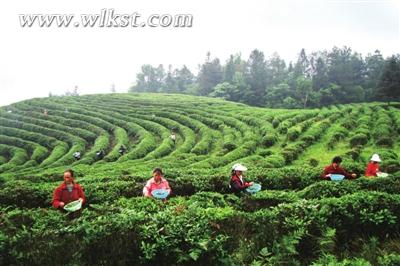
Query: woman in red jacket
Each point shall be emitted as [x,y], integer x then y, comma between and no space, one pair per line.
[68,191]
[237,183]
[373,166]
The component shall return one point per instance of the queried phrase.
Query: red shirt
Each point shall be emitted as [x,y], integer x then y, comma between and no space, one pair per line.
[372,169]
[330,169]
[153,185]
[61,194]
[238,184]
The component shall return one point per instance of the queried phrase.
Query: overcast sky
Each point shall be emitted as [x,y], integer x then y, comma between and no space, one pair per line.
[35,61]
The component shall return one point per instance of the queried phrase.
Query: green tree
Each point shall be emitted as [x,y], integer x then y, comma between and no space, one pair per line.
[170,82]
[276,68]
[178,80]
[210,75]
[225,90]
[374,65]
[229,69]
[320,77]
[256,78]
[302,66]
[389,84]
[184,78]
[290,102]
[234,64]
[277,94]
[237,90]
[151,79]
[329,94]
[304,90]
[346,69]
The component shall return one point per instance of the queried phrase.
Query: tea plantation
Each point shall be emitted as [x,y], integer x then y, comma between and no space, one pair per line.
[297,219]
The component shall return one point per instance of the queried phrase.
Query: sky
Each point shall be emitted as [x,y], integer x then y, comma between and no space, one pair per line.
[35,61]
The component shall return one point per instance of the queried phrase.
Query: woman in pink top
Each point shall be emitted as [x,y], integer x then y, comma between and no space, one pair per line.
[156,182]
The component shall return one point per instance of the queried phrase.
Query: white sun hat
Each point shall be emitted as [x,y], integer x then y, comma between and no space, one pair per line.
[376,158]
[239,167]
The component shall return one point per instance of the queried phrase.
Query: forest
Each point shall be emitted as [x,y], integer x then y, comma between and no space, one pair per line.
[316,79]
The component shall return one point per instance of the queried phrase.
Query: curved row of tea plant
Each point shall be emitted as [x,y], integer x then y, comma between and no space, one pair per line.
[296,219]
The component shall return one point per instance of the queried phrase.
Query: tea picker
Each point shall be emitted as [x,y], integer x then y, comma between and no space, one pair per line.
[122,149]
[69,195]
[100,154]
[77,155]
[372,169]
[157,186]
[336,173]
[237,183]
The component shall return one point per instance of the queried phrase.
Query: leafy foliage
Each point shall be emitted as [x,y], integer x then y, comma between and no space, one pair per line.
[297,219]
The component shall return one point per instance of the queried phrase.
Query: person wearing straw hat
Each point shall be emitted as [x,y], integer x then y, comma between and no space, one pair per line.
[77,155]
[373,166]
[237,183]
[68,191]
[122,149]
[173,137]
[156,182]
[100,154]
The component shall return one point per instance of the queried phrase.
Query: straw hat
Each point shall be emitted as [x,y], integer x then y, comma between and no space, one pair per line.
[375,158]
[239,167]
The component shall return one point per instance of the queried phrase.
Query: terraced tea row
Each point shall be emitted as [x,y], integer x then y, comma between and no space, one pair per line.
[285,150]
[45,133]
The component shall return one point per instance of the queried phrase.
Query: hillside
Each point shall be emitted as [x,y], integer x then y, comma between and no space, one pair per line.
[295,219]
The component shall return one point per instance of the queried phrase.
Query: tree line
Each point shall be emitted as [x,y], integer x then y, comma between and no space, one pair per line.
[335,76]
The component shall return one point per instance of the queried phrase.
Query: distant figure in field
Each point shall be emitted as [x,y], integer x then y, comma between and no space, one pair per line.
[237,183]
[68,191]
[335,169]
[156,182]
[373,166]
[100,154]
[173,137]
[122,149]
[77,155]
[45,112]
